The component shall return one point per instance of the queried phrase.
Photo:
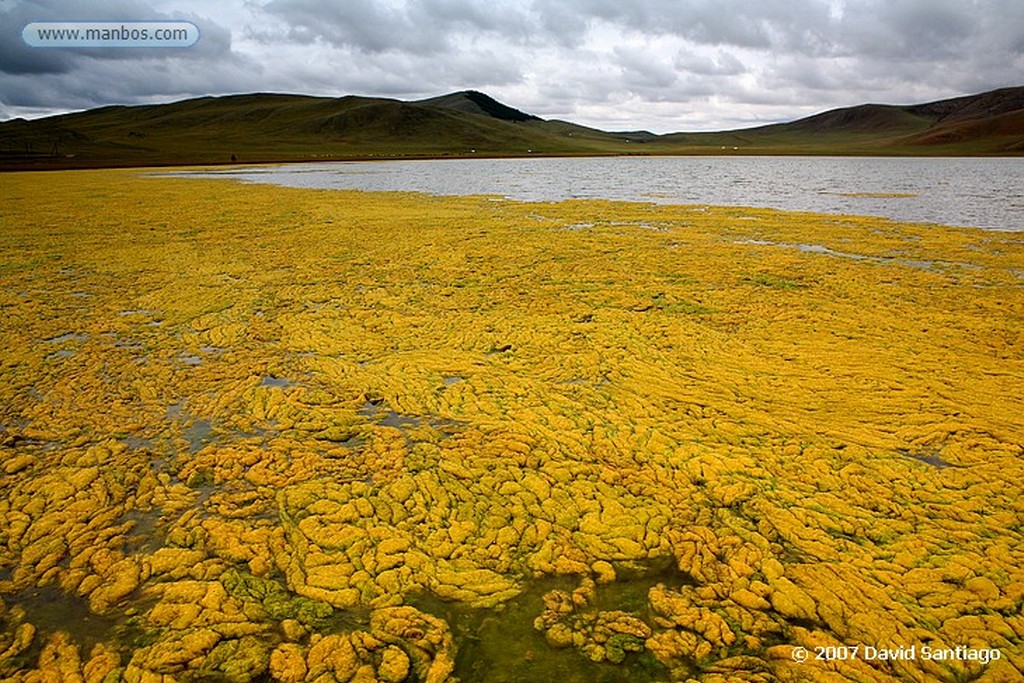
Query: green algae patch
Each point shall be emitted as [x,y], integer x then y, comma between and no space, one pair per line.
[255,433]
[575,629]
[511,643]
[272,601]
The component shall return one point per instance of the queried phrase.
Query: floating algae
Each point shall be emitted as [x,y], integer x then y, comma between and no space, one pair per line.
[459,450]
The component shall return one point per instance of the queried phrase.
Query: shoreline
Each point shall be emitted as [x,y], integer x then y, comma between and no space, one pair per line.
[6,167]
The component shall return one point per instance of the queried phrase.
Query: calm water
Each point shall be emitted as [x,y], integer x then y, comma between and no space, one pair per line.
[975,192]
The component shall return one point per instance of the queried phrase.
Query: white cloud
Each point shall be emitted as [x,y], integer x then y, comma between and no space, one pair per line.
[658,64]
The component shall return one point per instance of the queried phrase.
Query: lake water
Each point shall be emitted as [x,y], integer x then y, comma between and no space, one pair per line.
[973,192]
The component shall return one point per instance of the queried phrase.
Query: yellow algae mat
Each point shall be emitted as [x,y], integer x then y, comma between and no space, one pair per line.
[253,433]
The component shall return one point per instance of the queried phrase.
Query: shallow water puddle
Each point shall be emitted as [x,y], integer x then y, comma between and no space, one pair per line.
[388,418]
[146,534]
[822,249]
[930,459]
[51,610]
[504,645]
[135,442]
[399,421]
[198,434]
[67,337]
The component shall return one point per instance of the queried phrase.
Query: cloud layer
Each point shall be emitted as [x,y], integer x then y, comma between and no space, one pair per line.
[663,65]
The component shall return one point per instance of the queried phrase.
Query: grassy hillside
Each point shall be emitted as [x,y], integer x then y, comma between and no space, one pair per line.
[273,127]
[265,127]
[989,123]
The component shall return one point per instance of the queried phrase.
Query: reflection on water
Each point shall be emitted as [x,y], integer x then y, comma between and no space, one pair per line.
[971,192]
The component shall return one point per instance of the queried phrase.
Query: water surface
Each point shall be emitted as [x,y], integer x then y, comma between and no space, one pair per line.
[972,192]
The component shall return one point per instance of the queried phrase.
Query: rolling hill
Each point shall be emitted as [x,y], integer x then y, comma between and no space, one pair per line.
[989,123]
[274,127]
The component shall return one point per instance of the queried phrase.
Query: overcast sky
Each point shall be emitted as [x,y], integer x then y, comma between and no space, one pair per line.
[660,65]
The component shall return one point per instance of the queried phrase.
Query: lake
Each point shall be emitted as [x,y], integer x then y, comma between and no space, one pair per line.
[971,192]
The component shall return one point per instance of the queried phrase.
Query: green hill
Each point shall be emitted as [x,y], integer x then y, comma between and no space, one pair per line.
[266,127]
[991,123]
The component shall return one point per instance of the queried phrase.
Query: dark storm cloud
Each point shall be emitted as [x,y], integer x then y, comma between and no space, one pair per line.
[17,57]
[81,78]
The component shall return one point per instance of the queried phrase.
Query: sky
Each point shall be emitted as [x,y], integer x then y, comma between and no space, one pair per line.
[658,65]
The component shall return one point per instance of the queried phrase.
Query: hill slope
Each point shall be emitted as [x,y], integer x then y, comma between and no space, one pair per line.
[272,127]
[988,123]
[267,127]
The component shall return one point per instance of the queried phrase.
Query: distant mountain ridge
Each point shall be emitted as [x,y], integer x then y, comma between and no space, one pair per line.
[266,127]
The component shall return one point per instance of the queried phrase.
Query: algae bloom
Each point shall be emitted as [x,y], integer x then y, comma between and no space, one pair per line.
[253,433]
